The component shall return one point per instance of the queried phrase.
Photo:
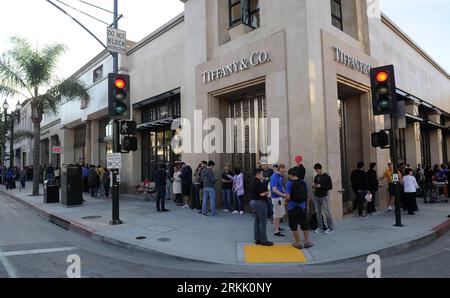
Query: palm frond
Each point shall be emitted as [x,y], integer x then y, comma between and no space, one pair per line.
[11,76]
[22,135]
[70,89]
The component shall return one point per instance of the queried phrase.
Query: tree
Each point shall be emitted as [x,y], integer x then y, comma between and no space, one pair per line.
[29,72]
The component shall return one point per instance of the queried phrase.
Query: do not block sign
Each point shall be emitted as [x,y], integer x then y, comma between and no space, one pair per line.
[117,41]
[114,161]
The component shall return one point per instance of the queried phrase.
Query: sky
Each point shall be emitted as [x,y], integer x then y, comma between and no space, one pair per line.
[427,22]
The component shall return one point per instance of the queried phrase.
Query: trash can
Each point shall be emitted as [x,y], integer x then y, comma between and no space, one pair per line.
[71,186]
[51,192]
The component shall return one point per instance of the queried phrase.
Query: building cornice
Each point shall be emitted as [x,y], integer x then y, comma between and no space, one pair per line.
[157,33]
[391,25]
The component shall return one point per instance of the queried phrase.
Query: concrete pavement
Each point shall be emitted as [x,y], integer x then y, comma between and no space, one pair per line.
[185,234]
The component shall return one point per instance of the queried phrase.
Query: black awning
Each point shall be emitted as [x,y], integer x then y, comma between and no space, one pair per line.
[156,124]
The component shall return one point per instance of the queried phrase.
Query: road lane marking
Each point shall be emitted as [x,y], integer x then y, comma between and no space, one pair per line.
[34,251]
[8,267]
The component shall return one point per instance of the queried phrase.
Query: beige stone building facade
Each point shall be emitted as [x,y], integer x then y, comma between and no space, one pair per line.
[304,62]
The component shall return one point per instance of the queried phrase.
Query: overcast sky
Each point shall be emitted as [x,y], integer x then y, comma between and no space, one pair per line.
[427,22]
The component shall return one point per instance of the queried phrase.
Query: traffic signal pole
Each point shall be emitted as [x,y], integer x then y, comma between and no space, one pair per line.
[393,147]
[116,138]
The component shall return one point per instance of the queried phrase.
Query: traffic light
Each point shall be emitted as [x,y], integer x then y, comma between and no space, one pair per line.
[119,96]
[384,91]
[129,144]
[380,140]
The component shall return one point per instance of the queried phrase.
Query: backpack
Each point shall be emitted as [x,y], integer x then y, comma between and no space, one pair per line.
[299,192]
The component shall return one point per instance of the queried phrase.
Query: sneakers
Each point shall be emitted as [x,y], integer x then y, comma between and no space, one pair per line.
[329,231]
[226,211]
[185,206]
[241,213]
[235,212]
[266,243]
[279,234]
[318,231]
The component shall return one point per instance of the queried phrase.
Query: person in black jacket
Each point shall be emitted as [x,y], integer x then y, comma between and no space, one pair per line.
[160,184]
[186,184]
[373,188]
[360,186]
[322,185]
[300,170]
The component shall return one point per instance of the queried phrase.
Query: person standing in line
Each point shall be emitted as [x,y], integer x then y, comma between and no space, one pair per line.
[373,188]
[388,174]
[278,195]
[267,173]
[238,190]
[197,188]
[100,173]
[85,174]
[169,182]
[297,202]
[258,204]
[23,177]
[300,168]
[428,184]
[106,181]
[360,187]
[9,179]
[410,189]
[94,181]
[161,184]
[227,189]
[186,184]
[322,185]
[176,186]
[209,191]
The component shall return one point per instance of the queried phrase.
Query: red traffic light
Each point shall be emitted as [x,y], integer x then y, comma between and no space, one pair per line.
[120,83]
[382,76]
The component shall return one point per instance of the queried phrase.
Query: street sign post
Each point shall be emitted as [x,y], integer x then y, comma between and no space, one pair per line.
[116,41]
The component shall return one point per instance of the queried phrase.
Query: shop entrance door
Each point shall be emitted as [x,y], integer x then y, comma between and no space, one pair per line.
[157,151]
[248,139]
[351,139]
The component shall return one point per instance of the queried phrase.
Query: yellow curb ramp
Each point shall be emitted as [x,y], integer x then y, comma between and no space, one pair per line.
[283,253]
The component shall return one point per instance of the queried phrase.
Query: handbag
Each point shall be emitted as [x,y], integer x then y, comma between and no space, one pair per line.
[368,197]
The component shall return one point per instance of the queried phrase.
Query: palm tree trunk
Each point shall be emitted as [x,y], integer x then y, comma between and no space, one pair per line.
[36,157]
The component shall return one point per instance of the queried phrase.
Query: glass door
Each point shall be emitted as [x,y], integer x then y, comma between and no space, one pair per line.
[346,183]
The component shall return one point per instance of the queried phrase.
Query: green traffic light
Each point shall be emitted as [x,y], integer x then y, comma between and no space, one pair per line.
[120,108]
[384,104]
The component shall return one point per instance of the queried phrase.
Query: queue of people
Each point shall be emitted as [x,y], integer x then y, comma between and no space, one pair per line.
[274,191]
[96,180]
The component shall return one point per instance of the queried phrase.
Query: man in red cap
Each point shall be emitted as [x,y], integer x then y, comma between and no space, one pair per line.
[300,170]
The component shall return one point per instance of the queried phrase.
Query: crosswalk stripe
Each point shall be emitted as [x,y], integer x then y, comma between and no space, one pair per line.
[34,251]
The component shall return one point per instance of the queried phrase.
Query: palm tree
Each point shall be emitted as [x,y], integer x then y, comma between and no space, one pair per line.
[29,72]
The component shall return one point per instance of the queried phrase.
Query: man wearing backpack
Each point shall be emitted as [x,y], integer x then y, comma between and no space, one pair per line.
[322,185]
[297,203]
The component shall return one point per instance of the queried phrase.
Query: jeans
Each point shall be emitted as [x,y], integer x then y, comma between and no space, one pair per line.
[209,193]
[160,198]
[259,209]
[227,200]
[239,203]
[360,199]
[94,191]
[197,202]
[22,182]
[371,206]
[269,208]
[322,206]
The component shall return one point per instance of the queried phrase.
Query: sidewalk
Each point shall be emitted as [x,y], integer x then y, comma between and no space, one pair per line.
[227,239]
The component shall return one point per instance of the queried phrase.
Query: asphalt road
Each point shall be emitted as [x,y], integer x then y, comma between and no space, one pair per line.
[32,247]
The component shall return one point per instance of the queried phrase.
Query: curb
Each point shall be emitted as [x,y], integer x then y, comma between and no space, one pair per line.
[72,225]
[79,228]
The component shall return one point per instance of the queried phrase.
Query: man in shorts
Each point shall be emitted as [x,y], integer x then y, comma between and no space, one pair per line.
[297,202]
[278,195]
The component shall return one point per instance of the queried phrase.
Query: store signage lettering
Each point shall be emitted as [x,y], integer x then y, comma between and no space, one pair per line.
[255,59]
[349,61]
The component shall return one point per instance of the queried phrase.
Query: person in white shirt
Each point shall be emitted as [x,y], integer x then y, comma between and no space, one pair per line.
[410,186]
